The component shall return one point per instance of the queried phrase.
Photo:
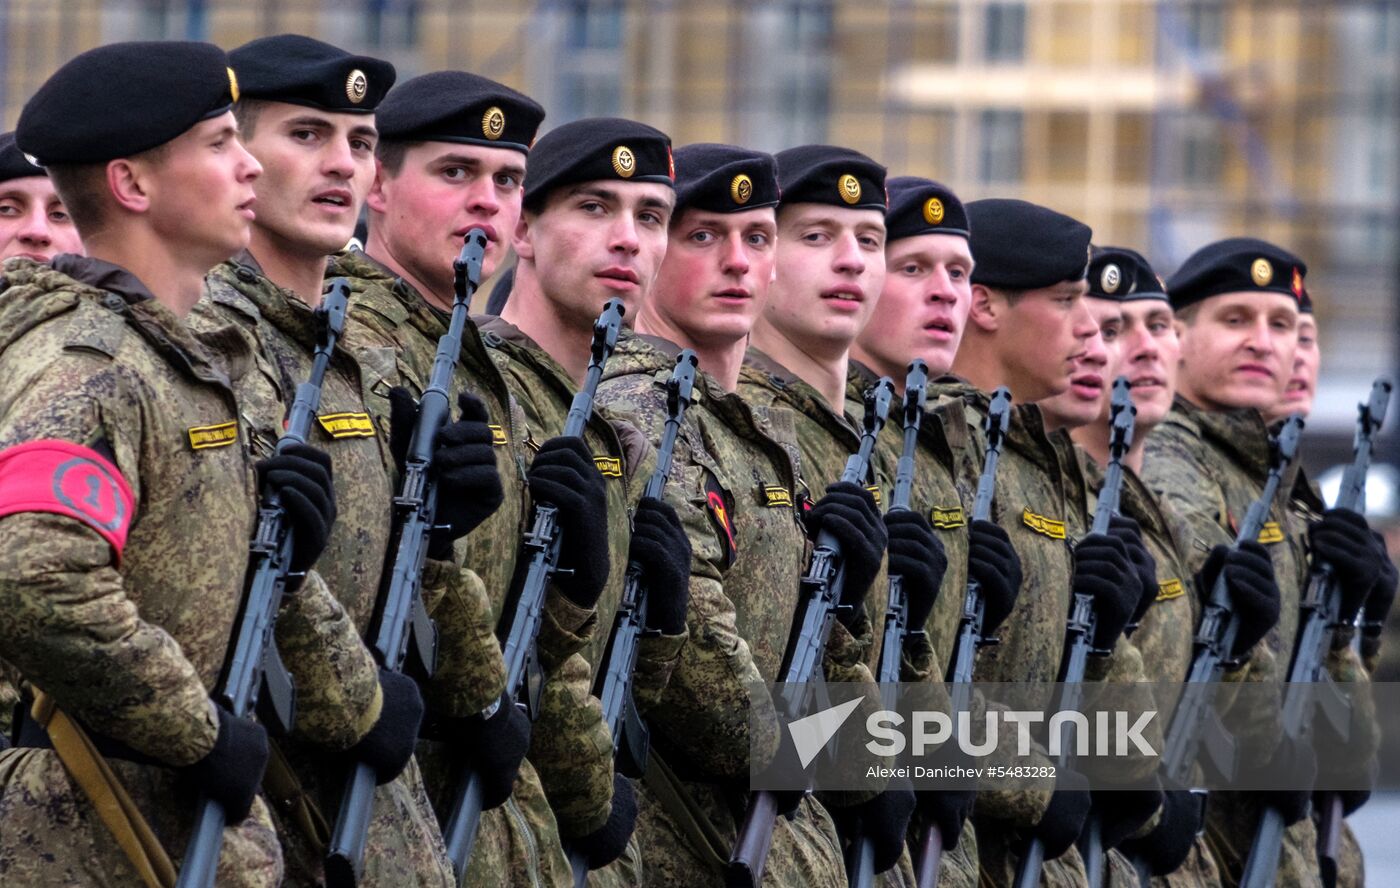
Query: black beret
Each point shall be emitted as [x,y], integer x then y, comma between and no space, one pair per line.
[300,70]
[125,98]
[13,163]
[454,106]
[1022,246]
[1123,275]
[1234,265]
[923,206]
[724,178]
[829,175]
[1305,303]
[597,148]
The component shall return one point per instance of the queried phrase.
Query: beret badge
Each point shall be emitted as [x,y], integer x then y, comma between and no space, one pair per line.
[624,162]
[933,211]
[741,189]
[1111,277]
[493,123]
[1261,272]
[356,86]
[849,187]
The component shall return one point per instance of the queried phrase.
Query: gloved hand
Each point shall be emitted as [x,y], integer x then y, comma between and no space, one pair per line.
[389,745]
[1166,847]
[1127,530]
[232,771]
[994,564]
[884,820]
[848,511]
[1064,819]
[1352,799]
[565,476]
[302,479]
[917,556]
[605,844]
[464,464]
[1123,812]
[947,810]
[1103,571]
[1343,539]
[1378,604]
[660,546]
[495,747]
[1294,764]
[1249,575]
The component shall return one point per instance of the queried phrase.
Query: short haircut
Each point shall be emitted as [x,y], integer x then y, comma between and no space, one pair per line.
[1011,296]
[391,154]
[83,189]
[1187,315]
[247,112]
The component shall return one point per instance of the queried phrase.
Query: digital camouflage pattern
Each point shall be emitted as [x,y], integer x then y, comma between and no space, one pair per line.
[736,489]
[393,332]
[1210,467]
[129,650]
[403,845]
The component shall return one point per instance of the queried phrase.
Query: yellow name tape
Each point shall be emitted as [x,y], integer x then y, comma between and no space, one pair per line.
[498,436]
[609,466]
[1040,524]
[776,496]
[220,435]
[1169,589]
[347,425]
[947,519]
[1270,533]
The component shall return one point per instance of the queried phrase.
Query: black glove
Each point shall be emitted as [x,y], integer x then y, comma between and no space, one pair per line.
[1343,539]
[994,564]
[494,747]
[565,476]
[1378,604]
[1064,819]
[1352,799]
[1123,812]
[848,511]
[301,477]
[1295,764]
[605,844]
[233,770]
[464,465]
[660,546]
[1165,848]
[947,810]
[1103,571]
[918,558]
[389,745]
[1249,575]
[883,820]
[1127,530]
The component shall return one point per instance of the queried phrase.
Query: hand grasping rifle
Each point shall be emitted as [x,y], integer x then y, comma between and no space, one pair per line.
[254,677]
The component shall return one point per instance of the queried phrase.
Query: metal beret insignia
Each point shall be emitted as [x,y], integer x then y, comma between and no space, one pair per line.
[1262,272]
[741,189]
[933,211]
[849,187]
[624,162]
[1110,278]
[493,123]
[356,85]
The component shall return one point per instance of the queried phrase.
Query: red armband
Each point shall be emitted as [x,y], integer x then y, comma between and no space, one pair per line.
[67,479]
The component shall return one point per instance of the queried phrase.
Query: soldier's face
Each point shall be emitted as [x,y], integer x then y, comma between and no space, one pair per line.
[1238,350]
[1042,337]
[923,305]
[317,168]
[422,213]
[33,221]
[1148,354]
[1301,388]
[831,267]
[596,241]
[716,274]
[1090,380]
[199,191]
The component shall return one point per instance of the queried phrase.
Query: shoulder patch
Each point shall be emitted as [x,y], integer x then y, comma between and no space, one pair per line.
[608,466]
[218,435]
[347,425]
[718,503]
[67,479]
[1042,525]
[947,519]
[776,496]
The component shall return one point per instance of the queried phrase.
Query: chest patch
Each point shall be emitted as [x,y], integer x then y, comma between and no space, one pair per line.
[1055,530]
[347,425]
[1169,589]
[498,435]
[1270,533]
[206,437]
[947,519]
[608,466]
[775,496]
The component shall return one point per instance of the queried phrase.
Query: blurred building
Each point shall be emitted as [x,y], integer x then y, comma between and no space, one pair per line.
[1163,123]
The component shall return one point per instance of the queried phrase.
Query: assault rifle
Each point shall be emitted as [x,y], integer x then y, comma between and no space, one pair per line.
[541,544]
[254,677]
[802,661]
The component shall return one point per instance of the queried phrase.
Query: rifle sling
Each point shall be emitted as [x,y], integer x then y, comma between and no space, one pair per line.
[113,805]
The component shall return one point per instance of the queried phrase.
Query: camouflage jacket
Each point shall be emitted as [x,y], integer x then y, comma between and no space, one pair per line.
[736,488]
[403,844]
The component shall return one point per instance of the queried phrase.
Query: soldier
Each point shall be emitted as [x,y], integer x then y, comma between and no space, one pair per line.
[306,112]
[451,156]
[1301,387]
[33,221]
[1028,328]
[1238,302]
[598,197]
[122,456]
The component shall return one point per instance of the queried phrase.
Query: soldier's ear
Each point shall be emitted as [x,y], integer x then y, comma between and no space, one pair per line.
[987,309]
[375,199]
[520,240]
[127,183]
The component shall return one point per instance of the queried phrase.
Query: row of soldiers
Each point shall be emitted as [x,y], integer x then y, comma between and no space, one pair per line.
[176,215]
